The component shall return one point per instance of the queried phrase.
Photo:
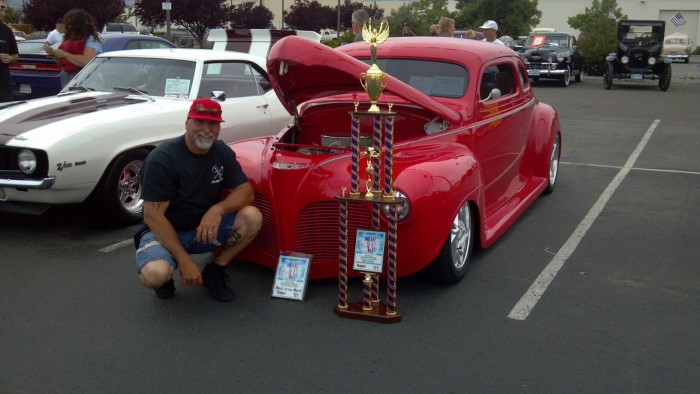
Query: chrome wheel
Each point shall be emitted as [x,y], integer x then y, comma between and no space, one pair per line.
[554,164]
[129,187]
[453,260]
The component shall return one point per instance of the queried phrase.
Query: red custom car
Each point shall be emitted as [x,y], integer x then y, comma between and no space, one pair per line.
[473,148]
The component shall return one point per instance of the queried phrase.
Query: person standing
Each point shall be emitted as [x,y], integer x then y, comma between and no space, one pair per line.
[8,54]
[81,43]
[182,184]
[407,32]
[56,35]
[490,30]
[359,18]
[446,27]
[433,29]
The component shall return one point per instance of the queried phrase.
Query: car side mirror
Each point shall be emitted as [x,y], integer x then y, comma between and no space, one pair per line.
[218,95]
[495,93]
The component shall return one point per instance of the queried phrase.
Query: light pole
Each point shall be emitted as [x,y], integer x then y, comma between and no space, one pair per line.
[167,6]
[337,29]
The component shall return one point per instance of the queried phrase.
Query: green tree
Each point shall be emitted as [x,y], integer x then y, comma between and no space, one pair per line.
[310,15]
[196,16]
[600,32]
[13,15]
[251,15]
[514,17]
[42,14]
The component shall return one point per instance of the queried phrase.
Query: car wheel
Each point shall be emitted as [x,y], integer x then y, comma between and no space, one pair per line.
[453,260]
[566,78]
[665,78]
[120,190]
[608,77]
[554,164]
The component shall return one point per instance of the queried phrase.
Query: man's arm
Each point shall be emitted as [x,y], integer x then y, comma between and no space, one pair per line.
[154,217]
[239,197]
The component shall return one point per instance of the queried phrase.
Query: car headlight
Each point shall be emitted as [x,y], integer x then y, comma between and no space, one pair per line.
[560,58]
[553,66]
[402,209]
[652,61]
[625,59]
[26,161]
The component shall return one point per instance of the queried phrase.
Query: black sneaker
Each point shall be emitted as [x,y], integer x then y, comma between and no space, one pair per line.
[216,279]
[166,291]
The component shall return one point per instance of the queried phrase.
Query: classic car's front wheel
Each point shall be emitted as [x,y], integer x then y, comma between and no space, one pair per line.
[665,78]
[120,190]
[566,78]
[554,164]
[453,260]
[608,77]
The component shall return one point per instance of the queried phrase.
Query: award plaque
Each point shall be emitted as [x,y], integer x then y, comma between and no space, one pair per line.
[371,244]
[291,276]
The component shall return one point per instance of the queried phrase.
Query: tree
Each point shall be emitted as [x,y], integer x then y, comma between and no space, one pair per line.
[42,14]
[195,16]
[250,15]
[600,33]
[310,15]
[13,15]
[346,10]
[514,17]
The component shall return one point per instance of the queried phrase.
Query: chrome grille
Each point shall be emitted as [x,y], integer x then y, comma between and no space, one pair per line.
[318,232]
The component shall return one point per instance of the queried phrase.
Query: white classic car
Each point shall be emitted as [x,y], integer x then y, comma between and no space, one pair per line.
[91,139]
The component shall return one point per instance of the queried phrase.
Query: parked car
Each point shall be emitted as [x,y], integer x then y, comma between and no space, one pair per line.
[553,55]
[639,54]
[473,148]
[91,139]
[677,47]
[119,27]
[36,74]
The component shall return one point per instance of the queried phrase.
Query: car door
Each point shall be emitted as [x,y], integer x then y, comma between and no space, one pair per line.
[501,134]
[246,110]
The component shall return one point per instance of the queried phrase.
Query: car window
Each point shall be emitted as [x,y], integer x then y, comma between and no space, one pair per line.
[236,79]
[524,80]
[146,44]
[158,77]
[497,77]
[433,78]
[548,40]
[31,48]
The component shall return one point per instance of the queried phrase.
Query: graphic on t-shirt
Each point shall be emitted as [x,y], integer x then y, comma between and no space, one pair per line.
[218,174]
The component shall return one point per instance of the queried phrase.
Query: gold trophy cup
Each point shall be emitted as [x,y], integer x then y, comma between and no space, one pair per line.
[373,80]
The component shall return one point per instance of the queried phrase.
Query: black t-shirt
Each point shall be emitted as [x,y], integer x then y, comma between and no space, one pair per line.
[8,45]
[192,183]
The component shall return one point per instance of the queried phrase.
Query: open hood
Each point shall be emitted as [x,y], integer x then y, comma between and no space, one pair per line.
[302,70]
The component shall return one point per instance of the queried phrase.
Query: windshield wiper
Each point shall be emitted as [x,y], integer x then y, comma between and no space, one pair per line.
[77,88]
[134,90]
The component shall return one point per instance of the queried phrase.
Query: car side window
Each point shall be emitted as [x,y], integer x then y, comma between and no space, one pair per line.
[497,77]
[236,79]
[524,80]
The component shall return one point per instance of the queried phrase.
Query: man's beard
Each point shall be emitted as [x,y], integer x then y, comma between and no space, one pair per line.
[206,141]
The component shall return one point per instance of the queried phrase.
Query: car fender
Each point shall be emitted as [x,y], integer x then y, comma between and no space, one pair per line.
[544,126]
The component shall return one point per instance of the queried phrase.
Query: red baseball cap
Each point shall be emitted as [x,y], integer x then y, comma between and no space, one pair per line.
[205,109]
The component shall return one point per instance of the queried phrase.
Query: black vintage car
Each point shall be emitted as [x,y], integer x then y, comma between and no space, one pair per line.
[638,57]
[552,55]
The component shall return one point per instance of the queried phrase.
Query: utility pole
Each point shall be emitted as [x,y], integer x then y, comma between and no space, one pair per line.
[337,30]
[167,7]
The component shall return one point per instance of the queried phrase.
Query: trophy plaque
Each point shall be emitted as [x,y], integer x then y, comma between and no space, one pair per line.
[378,183]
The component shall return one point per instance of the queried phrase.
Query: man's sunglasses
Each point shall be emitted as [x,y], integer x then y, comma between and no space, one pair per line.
[202,110]
[3,6]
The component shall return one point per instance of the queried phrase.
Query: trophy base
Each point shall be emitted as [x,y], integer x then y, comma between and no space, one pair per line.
[377,314]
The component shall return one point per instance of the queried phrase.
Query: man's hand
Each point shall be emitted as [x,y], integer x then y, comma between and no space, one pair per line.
[189,273]
[209,226]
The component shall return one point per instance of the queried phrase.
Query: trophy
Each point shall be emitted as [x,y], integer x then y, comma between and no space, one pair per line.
[373,80]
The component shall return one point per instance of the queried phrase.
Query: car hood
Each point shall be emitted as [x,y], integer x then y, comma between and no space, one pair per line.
[542,53]
[301,70]
[48,119]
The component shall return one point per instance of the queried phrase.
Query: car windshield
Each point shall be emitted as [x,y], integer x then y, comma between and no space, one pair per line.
[641,33]
[433,78]
[547,41]
[156,77]
[675,41]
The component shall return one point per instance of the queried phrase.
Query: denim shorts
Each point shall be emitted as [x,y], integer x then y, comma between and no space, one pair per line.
[150,249]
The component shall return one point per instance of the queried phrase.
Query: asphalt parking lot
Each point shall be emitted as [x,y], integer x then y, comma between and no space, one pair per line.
[595,289]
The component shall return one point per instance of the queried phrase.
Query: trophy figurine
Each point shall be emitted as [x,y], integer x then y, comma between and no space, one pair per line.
[373,80]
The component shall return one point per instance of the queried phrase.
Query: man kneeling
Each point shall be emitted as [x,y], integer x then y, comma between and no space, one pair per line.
[182,182]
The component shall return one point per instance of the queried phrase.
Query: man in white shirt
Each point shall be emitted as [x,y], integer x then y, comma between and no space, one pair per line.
[490,30]
[56,35]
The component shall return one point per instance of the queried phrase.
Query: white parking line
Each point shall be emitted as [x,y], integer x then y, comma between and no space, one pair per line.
[118,245]
[527,302]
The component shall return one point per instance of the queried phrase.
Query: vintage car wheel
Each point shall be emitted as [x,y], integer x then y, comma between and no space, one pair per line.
[566,78]
[452,262]
[554,164]
[665,78]
[608,77]
[120,191]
